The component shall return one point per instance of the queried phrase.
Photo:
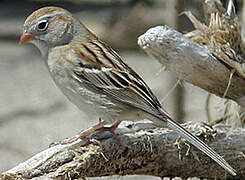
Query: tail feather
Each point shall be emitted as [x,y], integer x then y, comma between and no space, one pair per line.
[199,144]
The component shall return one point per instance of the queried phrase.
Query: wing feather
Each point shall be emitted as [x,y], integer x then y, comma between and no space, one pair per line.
[113,77]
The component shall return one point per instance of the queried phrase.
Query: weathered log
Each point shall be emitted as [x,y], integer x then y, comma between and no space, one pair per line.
[149,151]
[193,63]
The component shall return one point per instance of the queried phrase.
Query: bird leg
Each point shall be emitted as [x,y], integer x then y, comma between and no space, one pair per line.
[111,129]
[98,127]
[83,135]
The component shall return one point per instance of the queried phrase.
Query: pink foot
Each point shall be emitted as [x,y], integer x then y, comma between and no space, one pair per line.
[83,135]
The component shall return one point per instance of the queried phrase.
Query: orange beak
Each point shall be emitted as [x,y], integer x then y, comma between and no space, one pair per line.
[25,38]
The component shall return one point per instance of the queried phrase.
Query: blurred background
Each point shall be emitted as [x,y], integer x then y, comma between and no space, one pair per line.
[34,113]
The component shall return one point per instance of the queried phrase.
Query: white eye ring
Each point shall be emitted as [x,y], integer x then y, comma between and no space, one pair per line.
[42,25]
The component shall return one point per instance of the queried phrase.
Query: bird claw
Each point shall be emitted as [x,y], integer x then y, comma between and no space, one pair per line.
[84,135]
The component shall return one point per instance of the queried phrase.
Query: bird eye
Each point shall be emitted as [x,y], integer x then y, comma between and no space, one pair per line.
[42,25]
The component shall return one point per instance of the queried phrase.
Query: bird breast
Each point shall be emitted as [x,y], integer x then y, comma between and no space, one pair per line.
[91,102]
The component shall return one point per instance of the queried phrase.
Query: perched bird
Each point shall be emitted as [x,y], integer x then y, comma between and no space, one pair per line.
[95,78]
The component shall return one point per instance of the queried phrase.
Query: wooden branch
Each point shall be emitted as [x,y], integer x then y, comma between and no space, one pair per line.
[156,152]
[193,63]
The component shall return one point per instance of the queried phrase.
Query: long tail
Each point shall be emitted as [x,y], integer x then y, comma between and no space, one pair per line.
[198,143]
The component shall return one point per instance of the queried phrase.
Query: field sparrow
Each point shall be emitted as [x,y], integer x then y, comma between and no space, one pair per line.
[94,77]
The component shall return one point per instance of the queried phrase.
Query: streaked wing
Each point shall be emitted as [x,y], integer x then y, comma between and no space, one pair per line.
[102,70]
